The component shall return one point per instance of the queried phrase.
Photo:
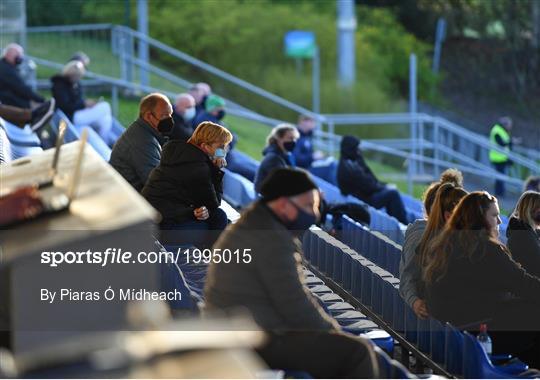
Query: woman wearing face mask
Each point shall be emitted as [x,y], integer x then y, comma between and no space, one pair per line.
[186,187]
[68,93]
[277,154]
[471,277]
[524,232]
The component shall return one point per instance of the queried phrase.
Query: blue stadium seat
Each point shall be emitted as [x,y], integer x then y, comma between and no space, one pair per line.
[477,365]
[325,169]
[237,190]
[389,368]
[398,311]
[424,335]
[96,142]
[411,325]
[72,134]
[23,151]
[453,350]
[437,341]
[21,136]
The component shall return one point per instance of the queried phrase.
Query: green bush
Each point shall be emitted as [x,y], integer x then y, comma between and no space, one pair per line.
[245,38]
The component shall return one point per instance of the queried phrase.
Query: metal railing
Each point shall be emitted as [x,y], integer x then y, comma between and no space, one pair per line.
[433,142]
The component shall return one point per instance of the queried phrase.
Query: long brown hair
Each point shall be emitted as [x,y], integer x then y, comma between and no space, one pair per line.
[466,229]
[447,197]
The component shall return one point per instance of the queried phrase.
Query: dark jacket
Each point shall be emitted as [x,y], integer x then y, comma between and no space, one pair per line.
[524,244]
[13,90]
[271,285]
[182,129]
[303,151]
[353,175]
[136,152]
[274,158]
[205,116]
[185,179]
[475,289]
[68,95]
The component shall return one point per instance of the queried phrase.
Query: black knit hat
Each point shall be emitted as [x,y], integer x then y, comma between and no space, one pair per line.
[286,182]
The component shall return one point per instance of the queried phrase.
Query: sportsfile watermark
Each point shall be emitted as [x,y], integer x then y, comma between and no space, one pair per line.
[111,256]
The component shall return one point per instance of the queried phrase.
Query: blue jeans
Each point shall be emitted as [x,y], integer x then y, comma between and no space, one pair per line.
[200,233]
[391,200]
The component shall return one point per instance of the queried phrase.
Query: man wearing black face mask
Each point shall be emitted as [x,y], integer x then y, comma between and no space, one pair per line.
[13,90]
[301,335]
[138,149]
[277,154]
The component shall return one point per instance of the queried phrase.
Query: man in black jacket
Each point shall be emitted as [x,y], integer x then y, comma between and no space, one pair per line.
[13,90]
[356,178]
[183,114]
[269,282]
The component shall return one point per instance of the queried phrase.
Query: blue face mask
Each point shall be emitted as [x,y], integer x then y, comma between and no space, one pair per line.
[303,220]
[220,153]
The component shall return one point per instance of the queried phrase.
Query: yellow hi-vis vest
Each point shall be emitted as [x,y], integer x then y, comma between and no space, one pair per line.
[495,156]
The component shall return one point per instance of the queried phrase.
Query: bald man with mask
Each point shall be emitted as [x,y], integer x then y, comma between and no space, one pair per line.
[138,149]
[13,90]
[184,112]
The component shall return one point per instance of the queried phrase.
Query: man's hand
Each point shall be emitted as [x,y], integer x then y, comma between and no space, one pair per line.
[420,309]
[220,162]
[201,213]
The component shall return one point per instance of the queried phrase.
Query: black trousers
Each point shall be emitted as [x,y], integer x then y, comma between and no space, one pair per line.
[515,329]
[321,354]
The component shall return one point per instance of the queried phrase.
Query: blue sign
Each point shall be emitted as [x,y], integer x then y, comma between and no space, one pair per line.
[300,44]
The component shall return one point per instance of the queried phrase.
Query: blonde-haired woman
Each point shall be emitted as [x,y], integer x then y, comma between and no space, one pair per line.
[186,186]
[68,94]
[523,232]
[277,154]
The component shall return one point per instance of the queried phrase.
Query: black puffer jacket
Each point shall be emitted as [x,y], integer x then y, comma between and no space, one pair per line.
[68,95]
[184,180]
[274,158]
[354,176]
[524,244]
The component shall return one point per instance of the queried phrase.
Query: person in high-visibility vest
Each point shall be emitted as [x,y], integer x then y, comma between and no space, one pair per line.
[500,135]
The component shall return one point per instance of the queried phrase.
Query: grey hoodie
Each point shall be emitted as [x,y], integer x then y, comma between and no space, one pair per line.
[410,273]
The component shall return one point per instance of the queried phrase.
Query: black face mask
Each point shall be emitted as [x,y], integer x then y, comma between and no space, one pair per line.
[18,60]
[536,217]
[165,126]
[220,115]
[289,145]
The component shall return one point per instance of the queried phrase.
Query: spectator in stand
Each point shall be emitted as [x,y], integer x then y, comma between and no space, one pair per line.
[523,232]
[183,114]
[37,117]
[214,111]
[68,93]
[279,144]
[532,183]
[471,277]
[500,135]
[81,57]
[186,186]
[303,151]
[13,90]
[410,271]
[357,179]
[138,150]
[200,92]
[270,284]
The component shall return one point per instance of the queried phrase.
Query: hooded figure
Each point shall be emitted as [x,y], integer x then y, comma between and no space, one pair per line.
[356,178]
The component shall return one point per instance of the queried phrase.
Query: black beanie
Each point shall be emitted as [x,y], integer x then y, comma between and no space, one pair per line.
[286,182]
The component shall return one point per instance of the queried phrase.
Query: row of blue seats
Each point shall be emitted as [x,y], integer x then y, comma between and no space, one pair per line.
[17,142]
[327,170]
[239,192]
[378,289]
